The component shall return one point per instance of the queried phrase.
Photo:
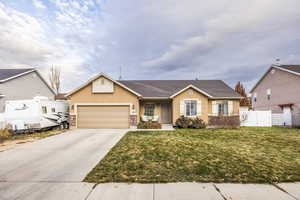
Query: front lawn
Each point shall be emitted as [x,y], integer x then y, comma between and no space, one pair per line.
[227,155]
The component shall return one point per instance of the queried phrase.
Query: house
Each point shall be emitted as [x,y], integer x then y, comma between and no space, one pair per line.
[279,90]
[18,84]
[106,103]
[61,96]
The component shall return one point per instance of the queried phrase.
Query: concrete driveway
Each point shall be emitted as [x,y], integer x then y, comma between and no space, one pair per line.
[29,171]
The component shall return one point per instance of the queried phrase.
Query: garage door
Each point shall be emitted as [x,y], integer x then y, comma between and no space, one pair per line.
[103,116]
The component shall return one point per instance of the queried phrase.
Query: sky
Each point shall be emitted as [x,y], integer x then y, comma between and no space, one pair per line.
[150,39]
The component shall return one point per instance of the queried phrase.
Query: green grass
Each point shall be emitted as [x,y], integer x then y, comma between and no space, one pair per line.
[246,155]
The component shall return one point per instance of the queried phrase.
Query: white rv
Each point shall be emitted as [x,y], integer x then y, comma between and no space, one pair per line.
[36,114]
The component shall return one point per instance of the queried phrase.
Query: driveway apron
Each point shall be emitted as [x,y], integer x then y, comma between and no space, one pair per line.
[64,158]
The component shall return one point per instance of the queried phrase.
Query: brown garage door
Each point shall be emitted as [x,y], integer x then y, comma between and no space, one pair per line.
[103,116]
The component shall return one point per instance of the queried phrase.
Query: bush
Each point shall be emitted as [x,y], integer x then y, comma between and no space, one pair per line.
[4,134]
[224,121]
[186,122]
[183,122]
[149,125]
[198,123]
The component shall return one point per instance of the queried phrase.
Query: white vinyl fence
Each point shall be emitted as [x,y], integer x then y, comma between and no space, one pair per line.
[256,118]
[277,119]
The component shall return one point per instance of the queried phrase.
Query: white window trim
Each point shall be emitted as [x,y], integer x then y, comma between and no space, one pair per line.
[145,108]
[193,99]
[230,107]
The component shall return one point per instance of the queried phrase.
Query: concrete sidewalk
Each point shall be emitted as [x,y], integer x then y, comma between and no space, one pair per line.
[170,191]
[195,191]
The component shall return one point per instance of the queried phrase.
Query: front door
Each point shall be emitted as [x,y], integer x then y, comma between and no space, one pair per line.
[287,116]
[166,113]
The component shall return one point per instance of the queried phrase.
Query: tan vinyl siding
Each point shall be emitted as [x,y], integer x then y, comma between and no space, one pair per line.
[120,95]
[236,105]
[190,94]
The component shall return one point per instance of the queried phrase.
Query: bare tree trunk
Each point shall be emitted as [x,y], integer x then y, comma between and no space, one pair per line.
[54,78]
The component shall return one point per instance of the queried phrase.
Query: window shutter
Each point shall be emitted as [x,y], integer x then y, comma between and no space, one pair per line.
[230,107]
[214,108]
[199,108]
[182,107]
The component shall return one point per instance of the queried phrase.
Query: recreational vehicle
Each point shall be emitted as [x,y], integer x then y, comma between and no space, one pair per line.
[36,114]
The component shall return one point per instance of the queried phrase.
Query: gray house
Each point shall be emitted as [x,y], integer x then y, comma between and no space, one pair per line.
[279,90]
[22,84]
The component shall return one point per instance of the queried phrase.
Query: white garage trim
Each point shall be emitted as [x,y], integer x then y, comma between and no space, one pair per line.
[131,110]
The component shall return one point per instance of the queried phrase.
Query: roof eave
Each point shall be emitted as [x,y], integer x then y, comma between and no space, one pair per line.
[287,70]
[190,86]
[155,97]
[98,76]
[272,66]
[227,97]
[16,76]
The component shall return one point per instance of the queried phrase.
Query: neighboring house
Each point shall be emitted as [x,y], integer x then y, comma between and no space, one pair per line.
[22,84]
[279,90]
[106,103]
[61,96]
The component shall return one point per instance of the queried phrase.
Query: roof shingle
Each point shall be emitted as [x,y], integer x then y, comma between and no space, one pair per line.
[294,68]
[8,73]
[166,88]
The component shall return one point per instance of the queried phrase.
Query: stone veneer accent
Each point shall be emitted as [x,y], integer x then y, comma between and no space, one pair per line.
[133,120]
[72,120]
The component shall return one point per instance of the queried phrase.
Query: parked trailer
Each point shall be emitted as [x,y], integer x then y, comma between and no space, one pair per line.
[2,121]
[36,114]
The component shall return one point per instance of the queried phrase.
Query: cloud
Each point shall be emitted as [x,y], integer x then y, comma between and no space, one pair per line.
[217,39]
[21,38]
[27,41]
[178,54]
[239,18]
[38,4]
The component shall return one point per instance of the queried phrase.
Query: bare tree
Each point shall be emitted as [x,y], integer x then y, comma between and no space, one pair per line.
[54,78]
[239,88]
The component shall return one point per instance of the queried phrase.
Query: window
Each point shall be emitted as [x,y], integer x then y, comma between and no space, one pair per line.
[268,94]
[53,110]
[190,107]
[44,109]
[255,97]
[102,81]
[222,107]
[149,109]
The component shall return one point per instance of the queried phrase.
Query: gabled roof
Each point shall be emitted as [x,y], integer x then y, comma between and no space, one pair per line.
[293,69]
[170,88]
[8,74]
[95,78]
[215,89]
